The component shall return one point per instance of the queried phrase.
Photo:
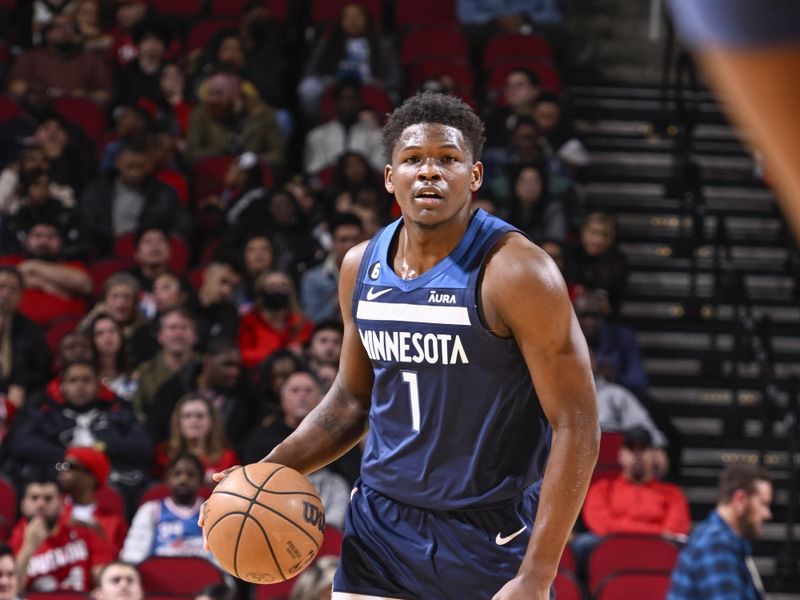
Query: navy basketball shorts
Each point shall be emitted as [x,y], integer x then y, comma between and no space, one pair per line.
[396,551]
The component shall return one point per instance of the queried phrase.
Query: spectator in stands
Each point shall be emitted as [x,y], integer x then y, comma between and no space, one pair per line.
[325,346]
[168,527]
[128,15]
[152,256]
[82,413]
[196,428]
[317,581]
[131,200]
[519,94]
[8,574]
[532,208]
[265,55]
[88,22]
[54,288]
[300,394]
[634,501]
[71,347]
[121,293]
[514,16]
[349,130]
[217,376]
[69,154]
[177,337]
[616,352]
[131,122]
[172,106]
[217,317]
[319,285]
[232,119]
[274,321]
[597,262]
[717,561]
[119,581]
[216,591]
[34,203]
[352,174]
[53,554]
[270,376]
[23,354]
[258,257]
[62,67]
[141,77]
[351,50]
[169,291]
[558,136]
[84,471]
[110,358]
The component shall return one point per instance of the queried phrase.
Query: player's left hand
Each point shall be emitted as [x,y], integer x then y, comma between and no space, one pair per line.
[524,587]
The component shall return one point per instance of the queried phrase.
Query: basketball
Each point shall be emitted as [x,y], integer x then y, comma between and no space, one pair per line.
[264,523]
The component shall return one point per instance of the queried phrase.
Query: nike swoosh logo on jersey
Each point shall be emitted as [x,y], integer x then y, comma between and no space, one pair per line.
[372,294]
[502,541]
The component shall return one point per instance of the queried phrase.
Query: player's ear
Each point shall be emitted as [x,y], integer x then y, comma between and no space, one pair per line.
[387,179]
[477,176]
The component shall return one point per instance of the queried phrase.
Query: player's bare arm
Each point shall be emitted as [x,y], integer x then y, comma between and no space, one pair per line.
[524,296]
[340,420]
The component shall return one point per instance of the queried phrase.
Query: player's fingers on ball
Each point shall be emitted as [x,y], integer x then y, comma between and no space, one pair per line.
[223,474]
[202,517]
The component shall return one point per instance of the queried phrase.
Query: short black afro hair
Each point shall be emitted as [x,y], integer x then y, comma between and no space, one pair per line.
[433,107]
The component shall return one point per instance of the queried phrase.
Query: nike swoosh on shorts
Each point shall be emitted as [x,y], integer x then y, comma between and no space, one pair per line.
[502,541]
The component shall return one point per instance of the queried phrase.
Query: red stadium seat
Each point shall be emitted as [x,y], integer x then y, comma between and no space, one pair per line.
[610,443]
[84,113]
[434,43]
[512,46]
[422,70]
[327,11]
[624,585]
[102,270]
[567,586]
[8,108]
[548,76]
[8,507]
[178,8]
[202,32]
[567,562]
[623,552]
[177,575]
[59,328]
[208,175]
[373,97]
[110,500]
[425,12]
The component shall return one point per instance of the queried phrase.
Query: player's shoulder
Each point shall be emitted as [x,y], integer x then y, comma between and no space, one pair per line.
[517,261]
[352,260]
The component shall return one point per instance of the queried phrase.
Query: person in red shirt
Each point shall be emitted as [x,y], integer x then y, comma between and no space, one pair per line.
[54,288]
[274,322]
[633,501]
[84,471]
[196,428]
[51,554]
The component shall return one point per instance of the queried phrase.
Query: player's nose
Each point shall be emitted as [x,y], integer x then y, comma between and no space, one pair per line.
[428,169]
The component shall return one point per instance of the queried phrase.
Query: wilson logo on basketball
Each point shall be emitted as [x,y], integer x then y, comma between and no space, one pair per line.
[313,515]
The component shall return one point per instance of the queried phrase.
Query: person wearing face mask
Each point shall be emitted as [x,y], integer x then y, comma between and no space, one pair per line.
[61,67]
[275,320]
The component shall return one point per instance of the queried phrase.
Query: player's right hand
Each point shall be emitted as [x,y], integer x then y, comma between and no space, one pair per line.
[218,477]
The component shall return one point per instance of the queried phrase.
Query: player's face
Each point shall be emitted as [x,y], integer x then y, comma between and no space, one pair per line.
[8,579]
[432,175]
[756,511]
[120,582]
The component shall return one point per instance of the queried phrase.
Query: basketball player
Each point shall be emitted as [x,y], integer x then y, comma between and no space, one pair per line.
[464,364]
[750,49]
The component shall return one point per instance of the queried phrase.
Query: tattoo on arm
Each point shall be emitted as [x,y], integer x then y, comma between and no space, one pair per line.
[332,424]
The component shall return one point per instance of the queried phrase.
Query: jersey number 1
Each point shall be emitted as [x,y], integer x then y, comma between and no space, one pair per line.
[410,377]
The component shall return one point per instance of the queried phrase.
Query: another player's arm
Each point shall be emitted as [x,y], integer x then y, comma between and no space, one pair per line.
[340,420]
[525,296]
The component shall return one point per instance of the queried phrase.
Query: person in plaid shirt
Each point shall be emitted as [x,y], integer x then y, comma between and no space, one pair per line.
[717,562]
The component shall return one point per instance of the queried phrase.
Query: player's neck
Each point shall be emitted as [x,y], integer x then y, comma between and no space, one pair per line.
[419,249]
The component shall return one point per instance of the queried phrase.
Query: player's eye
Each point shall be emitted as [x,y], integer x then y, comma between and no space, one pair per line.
[412,159]
[449,159]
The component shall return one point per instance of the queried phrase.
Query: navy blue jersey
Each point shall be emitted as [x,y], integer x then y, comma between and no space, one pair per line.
[455,422]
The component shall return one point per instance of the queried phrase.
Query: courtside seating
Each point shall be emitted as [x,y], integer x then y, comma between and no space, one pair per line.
[626,585]
[625,552]
[177,575]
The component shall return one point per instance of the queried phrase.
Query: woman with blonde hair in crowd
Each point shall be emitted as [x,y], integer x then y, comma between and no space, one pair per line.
[196,427]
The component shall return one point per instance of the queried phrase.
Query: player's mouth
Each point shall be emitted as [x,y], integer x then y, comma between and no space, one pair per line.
[428,196]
